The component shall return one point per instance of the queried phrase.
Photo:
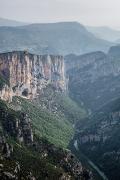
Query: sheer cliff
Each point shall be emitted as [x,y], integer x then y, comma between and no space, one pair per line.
[36,128]
[94,77]
[27,74]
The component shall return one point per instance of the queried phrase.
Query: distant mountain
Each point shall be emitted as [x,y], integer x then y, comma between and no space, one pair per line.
[105,33]
[53,38]
[118,41]
[8,22]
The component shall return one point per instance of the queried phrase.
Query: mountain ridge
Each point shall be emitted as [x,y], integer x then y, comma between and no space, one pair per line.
[105,32]
[10,22]
[56,38]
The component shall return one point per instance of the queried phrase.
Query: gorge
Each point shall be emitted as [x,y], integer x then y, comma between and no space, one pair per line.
[36,121]
[59,90]
[64,98]
[94,83]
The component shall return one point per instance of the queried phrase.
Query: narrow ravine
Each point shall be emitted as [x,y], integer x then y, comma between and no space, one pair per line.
[101,174]
[98,170]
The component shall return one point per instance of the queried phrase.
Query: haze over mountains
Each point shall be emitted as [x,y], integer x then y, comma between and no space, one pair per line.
[104,32]
[56,38]
[52,103]
[8,22]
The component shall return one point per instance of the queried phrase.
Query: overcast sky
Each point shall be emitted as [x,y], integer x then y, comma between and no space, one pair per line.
[88,12]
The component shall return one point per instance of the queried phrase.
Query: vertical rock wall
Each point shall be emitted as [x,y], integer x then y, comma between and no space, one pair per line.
[28,74]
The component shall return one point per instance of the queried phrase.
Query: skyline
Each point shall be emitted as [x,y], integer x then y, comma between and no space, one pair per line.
[95,13]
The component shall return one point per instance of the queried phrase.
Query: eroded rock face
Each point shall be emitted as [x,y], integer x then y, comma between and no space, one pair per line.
[20,129]
[9,168]
[94,78]
[28,74]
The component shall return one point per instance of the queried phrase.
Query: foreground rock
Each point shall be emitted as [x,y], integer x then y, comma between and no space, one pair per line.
[23,155]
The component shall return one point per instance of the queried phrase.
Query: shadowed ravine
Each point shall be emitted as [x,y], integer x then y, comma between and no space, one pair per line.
[97,173]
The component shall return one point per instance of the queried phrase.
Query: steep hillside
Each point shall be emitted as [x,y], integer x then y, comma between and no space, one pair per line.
[36,126]
[40,80]
[98,138]
[52,114]
[94,77]
[20,148]
[54,38]
[56,129]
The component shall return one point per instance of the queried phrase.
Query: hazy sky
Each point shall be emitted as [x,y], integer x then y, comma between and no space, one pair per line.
[88,12]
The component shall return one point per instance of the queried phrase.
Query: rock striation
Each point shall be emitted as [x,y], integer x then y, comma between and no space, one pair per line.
[28,74]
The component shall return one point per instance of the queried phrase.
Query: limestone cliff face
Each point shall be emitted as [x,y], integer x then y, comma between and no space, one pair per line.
[28,74]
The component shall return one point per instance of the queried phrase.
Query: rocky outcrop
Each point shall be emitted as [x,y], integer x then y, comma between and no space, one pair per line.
[28,74]
[63,159]
[20,129]
[18,125]
[19,150]
[5,148]
[9,168]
